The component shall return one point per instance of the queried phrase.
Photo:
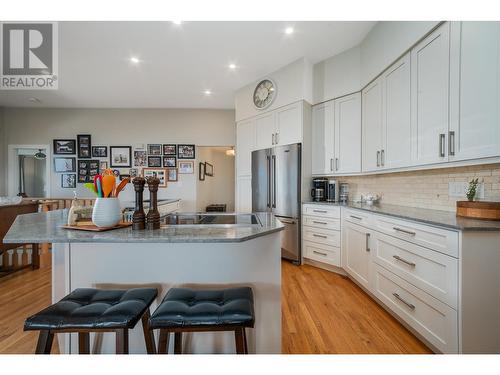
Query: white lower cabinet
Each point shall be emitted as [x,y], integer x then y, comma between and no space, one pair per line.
[356,256]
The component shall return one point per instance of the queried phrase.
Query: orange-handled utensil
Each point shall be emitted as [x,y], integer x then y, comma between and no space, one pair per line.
[108,184]
[121,186]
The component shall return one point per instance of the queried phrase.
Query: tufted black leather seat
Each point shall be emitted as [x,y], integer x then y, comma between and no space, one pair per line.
[185,309]
[85,310]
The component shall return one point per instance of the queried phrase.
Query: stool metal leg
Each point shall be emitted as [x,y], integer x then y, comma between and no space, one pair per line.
[178,343]
[44,344]
[83,343]
[240,340]
[122,341]
[163,341]
[148,333]
[245,347]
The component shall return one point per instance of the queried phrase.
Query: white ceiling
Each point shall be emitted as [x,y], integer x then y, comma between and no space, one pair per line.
[178,62]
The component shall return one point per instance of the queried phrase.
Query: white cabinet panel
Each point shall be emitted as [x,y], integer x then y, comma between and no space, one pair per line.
[322,253]
[396,150]
[321,211]
[323,236]
[265,128]
[475,125]
[322,138]
[347,113]
[245,143]
[356,258]
[430,62]
[244,194]
[372,121]
[289,124]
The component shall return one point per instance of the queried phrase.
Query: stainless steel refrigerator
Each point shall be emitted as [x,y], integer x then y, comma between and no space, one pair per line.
[276,184]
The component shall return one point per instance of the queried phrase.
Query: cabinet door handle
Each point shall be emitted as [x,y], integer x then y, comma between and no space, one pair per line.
[277,138]
[336,164]
[319,235]
[382,157]
[331,165]
[367,241]
[319,253]
[404,231]
[320,222]
[320,211]
[356,217]
[272,137]
[411,264]
[441,145]
[378,158]
[410,305]
[451,143]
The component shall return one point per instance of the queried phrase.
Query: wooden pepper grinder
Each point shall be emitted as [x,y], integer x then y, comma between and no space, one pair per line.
[153,217]
[139,217]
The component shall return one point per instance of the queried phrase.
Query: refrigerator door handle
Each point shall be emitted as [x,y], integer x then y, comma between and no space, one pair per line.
[273,174]
[268,159]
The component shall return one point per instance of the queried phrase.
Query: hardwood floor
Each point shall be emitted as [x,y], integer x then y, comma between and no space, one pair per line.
[322,313]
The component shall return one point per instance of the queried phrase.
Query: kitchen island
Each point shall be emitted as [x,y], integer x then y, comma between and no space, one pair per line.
[198,256]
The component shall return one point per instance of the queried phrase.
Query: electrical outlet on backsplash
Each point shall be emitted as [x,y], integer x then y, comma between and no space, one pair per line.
[427,188]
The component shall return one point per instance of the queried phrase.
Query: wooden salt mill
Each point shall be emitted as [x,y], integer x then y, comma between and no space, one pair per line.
[139,217]
[153,217]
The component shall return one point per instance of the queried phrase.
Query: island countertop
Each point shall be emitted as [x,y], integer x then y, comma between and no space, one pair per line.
[45,227]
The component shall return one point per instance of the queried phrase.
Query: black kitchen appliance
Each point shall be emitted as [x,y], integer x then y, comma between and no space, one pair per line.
[319,190]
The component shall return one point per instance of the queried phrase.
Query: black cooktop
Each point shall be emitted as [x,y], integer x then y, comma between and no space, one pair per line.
[208,219]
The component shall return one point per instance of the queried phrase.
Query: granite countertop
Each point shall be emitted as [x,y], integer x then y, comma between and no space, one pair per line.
[438,218]
[45,227]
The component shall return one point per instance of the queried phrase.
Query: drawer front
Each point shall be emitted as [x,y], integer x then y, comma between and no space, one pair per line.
[323,211]
[322,223]
[433,238]
[357,217]
[433,272]
[323,236]
[434,320]
[322,253]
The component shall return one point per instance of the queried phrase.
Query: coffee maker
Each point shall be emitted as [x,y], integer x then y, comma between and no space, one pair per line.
[319,190]
[332,190]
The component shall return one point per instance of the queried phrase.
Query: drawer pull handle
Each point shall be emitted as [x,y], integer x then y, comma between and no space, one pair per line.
[320,222]
[410,305]
[320,211]
[356,217]
[319,235]
[404,231]
[367,241]
[319,253]
[411,264]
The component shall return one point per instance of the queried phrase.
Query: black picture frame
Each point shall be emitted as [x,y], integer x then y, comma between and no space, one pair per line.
[64,146]
[209,169]
[73,164]
[71,180]
[201,171]
[170,150]
[170,161]
[84,143]
[186,151]
[87,169]
[99,151]
[154,161]
[127,163]
[155,149]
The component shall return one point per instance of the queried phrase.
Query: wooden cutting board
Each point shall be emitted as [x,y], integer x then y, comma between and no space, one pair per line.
[89,226]
[479,210]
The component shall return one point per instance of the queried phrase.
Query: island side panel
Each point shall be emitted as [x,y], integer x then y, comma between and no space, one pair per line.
[61,284]
[255,263]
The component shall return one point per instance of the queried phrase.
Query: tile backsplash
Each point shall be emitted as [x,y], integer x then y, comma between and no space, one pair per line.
[425,189]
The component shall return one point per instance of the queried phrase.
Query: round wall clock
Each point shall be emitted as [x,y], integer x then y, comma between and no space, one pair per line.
[264,93]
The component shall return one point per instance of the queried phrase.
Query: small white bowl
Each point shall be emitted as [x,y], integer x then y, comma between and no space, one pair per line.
[107,212]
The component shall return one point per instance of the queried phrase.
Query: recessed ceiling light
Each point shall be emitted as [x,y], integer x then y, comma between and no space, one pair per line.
[135,60]
[207,92]
[232,66]
[176,22]
[289,30]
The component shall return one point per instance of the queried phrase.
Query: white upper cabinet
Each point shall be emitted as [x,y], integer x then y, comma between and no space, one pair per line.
[323,138]
[372,121]
[475,97]
[289,124]
[430,61]
[396,150]
[245,143]
[347,151]
[265,128]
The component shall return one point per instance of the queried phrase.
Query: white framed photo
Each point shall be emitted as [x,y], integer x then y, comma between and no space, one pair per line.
[186,167]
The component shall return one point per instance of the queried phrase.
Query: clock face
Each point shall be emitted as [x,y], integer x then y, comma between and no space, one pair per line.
[264,94]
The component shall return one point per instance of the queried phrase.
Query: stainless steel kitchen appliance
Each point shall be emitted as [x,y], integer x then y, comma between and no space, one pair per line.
[332,190]
[319,190]
[276,188]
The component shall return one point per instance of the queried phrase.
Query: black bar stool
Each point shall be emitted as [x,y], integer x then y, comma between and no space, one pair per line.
[189,310]
[95,310]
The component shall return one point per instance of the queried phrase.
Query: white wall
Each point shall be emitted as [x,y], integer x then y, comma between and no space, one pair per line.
[127,127]
[218,189]
[294,83]
[3,156]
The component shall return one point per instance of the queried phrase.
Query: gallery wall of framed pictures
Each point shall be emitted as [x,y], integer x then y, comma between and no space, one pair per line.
[78,161]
